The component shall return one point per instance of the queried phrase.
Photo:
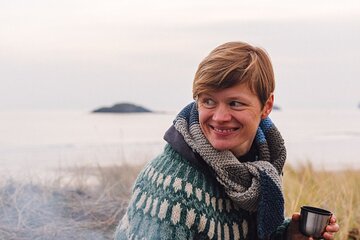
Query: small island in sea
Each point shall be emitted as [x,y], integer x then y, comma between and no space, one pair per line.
[276,108]
[133,108]
[122,108]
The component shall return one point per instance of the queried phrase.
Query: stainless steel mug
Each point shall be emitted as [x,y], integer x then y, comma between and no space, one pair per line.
[313,221]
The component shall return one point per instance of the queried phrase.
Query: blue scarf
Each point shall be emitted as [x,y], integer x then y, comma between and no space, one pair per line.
[255,186]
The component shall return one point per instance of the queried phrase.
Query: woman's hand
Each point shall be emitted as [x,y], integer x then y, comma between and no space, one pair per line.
[331,229]
[295,234]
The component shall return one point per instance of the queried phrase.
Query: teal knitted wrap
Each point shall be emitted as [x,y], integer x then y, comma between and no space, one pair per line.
[174,200]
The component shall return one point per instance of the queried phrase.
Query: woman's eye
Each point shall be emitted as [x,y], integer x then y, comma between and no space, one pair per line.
[236,104]
[208,103]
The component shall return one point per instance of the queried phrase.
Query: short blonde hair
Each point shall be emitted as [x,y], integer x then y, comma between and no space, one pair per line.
[233,63]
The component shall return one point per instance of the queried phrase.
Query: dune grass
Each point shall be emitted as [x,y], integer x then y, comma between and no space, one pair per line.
[337,191]
[82,203]
[87,202]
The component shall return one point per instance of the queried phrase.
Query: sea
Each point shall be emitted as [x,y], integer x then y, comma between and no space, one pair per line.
[43,142]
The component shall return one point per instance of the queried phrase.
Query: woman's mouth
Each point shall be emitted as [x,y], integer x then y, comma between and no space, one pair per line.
[223,130]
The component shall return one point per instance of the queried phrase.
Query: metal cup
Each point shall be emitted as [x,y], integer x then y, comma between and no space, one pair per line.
[313,221]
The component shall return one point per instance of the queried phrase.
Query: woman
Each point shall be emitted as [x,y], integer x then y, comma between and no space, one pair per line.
[219,176]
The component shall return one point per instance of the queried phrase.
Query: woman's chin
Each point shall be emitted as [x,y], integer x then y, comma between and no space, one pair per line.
[220,147]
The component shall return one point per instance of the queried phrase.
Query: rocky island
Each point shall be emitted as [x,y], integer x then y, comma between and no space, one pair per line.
[122,108]
[276,108]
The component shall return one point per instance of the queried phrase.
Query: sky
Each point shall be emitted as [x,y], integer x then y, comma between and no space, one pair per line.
[84,54]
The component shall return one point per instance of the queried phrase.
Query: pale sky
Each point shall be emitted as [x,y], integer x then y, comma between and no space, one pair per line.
[77,54]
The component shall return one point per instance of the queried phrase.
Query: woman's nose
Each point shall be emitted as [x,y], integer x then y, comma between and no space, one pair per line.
[222,114]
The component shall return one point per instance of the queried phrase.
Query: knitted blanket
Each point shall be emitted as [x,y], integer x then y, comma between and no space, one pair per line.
[254,186]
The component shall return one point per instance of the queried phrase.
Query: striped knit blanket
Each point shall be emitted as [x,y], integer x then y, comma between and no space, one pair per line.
[255,186]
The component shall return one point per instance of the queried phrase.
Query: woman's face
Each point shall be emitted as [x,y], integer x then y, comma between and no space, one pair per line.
[229,118]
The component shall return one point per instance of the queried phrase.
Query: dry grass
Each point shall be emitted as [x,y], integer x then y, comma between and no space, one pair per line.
[338,191]
[87,203]
[84,203]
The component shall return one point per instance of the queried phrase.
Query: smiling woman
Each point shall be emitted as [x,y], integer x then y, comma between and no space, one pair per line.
[219,176]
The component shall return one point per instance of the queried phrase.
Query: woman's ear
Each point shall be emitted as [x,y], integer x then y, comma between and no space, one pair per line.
[268,106]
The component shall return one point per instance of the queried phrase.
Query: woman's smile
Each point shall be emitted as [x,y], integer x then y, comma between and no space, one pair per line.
[229,117]
[223,131]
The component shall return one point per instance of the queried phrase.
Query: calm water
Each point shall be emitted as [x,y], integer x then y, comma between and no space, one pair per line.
[39,142]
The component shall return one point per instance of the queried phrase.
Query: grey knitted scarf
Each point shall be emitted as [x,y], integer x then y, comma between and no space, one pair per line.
[254,186]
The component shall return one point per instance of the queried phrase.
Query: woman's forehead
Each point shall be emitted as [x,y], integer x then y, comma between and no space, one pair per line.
[237,91]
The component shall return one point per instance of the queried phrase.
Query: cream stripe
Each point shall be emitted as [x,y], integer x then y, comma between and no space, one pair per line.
[202,223]
[213,202]
[219,230]
[148,204]
[167,182]
[160,179]
[245,228]
[155,176]
[163,209]
[141,201]
[190,218]
[136,193]
[207,199]
[146,173]
[154,207]
[188,189]
[226,232]
[151,172]
[176,213]
[211,232]
[177,184]
[236,231]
